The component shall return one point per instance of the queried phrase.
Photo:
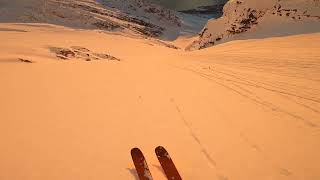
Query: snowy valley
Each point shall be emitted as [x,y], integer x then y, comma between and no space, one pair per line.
[236,97]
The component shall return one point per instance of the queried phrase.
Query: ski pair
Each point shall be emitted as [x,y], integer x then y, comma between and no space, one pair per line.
[164,158]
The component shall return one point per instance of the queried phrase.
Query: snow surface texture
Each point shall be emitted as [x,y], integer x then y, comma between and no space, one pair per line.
[74,101]
[129,16]
[243,110]
[246,19]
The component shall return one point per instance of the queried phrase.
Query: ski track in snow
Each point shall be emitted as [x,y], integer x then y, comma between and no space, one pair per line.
[204,151]
[193,135]
[242,87]
[256,147]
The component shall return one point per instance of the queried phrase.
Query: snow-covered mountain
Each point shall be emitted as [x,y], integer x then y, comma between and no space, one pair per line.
[242,19]
[245,19]
[130,16]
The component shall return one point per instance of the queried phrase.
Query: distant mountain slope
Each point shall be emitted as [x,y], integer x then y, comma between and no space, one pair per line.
[212,11]
[245,19]
[168,20]
[181,5]
[131,16]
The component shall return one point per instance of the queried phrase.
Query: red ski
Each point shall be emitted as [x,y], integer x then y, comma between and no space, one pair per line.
[167,164]
[141,164]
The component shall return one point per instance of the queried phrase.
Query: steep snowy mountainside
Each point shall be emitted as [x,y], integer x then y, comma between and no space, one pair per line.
[148,12]
[145,10]
[246,19]
[131,16]
[212,11]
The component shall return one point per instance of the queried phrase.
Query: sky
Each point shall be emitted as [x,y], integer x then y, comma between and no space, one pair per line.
[185,4]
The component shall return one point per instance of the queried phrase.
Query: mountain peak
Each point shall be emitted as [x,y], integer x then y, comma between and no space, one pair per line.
[246,19]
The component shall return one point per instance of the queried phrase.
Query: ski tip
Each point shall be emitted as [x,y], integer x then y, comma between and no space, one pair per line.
[160,149]
[161,152]
[136,151]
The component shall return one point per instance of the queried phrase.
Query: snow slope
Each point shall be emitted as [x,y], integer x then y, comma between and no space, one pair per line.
[246,19]
[241,110]
[74,101]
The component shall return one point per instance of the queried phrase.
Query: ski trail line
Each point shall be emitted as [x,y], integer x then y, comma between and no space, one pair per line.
[194,136]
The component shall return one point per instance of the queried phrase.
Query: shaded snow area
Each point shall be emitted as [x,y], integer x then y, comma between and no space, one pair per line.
[181,5]
[246,19]
[209,12]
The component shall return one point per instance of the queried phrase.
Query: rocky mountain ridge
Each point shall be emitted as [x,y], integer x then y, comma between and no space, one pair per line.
[129,16]
[245,19]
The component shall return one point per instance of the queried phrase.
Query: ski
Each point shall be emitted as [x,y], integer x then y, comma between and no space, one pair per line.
[141,165]
[167,164]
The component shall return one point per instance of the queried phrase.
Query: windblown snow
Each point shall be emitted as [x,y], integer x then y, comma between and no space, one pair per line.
[84,81]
